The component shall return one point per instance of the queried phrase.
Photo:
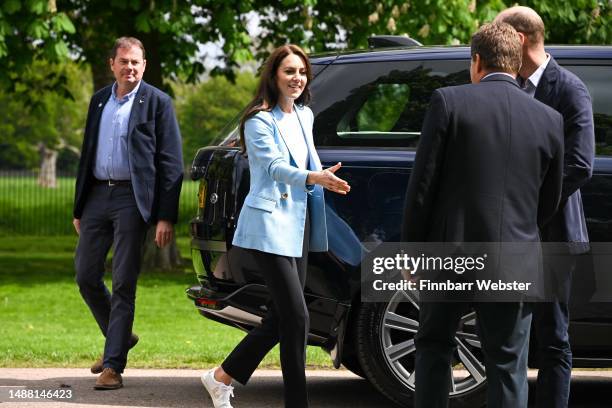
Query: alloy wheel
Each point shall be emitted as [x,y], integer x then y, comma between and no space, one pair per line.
[398,328]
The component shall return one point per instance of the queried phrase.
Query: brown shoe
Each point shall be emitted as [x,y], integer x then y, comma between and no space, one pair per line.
[109,380]
[98,366]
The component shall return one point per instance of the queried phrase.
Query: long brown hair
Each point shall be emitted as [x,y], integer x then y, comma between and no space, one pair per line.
[267,94]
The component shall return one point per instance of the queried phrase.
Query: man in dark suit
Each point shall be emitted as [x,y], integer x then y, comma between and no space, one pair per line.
[558,88]
[488,169]
[129,176]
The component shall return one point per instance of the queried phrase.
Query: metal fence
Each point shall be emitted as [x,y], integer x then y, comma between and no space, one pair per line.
[26,208]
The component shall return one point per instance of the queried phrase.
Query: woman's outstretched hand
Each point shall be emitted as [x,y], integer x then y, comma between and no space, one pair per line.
[329,180]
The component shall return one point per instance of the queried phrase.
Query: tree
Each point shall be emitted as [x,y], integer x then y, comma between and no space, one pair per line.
[32,43]
[50,121]
[204,110]
[321,25]
[575,22]
[173,31]
[29,31]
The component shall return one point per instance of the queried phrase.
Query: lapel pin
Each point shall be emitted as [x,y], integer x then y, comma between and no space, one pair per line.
[141,100]
[100,105]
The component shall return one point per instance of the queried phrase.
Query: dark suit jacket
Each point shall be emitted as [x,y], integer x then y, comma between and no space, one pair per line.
[565,92]
[154,151]
[488,166]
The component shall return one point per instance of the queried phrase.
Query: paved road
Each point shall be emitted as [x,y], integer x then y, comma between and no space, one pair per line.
[182,388]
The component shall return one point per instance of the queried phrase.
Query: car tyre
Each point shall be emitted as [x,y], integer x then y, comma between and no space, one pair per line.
[385,350]
[351,363]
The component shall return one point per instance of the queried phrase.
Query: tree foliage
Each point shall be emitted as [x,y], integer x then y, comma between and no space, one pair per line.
[52,121]
[205,109]
[34,31]
[45,104]
[173,31]
[31,30]
[322,24]
[575,21]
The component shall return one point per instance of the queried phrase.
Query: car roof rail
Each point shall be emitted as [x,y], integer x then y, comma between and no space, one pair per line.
[382,41]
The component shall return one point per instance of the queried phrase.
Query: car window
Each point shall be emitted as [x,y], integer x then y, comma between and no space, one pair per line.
[379,104]
[316,68]
[380,116]
[597,79]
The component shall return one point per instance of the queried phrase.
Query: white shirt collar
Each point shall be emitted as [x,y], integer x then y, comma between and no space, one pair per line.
[537,74]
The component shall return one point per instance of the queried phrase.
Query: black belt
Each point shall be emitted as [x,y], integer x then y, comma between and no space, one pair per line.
[111,183]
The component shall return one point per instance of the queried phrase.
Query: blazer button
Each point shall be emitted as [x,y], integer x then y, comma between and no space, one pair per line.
[284,196]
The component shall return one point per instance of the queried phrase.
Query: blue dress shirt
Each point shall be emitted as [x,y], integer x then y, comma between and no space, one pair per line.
[112,161]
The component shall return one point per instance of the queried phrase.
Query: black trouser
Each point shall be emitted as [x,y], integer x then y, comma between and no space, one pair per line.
[504,334]
[551,324]
[111,217]
[286,322]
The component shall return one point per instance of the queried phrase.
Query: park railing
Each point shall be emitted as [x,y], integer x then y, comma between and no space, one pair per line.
[26,208]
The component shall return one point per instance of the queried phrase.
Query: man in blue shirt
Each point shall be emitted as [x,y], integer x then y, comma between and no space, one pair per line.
[129,176]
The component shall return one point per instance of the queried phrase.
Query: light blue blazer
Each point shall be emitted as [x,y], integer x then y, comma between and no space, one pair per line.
[274,212]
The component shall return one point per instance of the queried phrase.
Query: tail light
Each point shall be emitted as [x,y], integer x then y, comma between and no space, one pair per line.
[208,303]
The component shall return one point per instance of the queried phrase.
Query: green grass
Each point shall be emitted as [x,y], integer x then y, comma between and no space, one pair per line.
[45,323]
[28,209]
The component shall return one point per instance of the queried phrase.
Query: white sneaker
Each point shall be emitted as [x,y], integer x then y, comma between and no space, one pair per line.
[219,392]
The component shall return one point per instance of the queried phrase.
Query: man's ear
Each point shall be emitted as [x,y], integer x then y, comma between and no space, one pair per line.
[475,69]
[477,63]
[523,38]
[110,63]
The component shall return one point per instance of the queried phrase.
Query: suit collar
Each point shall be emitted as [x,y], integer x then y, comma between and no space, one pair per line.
[549,77]
[105,93]
[101,100]
[536,76]
[137,109]
[141,100]
[500,77]
[277,114]
[551,73]
[143,89]
[313,157]
[103,96]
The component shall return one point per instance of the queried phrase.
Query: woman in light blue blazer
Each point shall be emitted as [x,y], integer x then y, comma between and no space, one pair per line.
[282,219]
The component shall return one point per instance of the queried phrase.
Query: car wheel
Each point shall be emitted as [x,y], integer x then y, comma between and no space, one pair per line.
[351,363]
[386,352]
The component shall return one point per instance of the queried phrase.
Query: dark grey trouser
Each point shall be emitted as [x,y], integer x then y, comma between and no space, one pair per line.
[504,333]
[111,217]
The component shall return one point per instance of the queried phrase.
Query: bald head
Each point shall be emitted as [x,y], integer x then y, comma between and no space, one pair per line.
[526,21]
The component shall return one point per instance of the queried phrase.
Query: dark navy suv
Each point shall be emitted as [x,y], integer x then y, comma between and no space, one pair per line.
[368,109]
